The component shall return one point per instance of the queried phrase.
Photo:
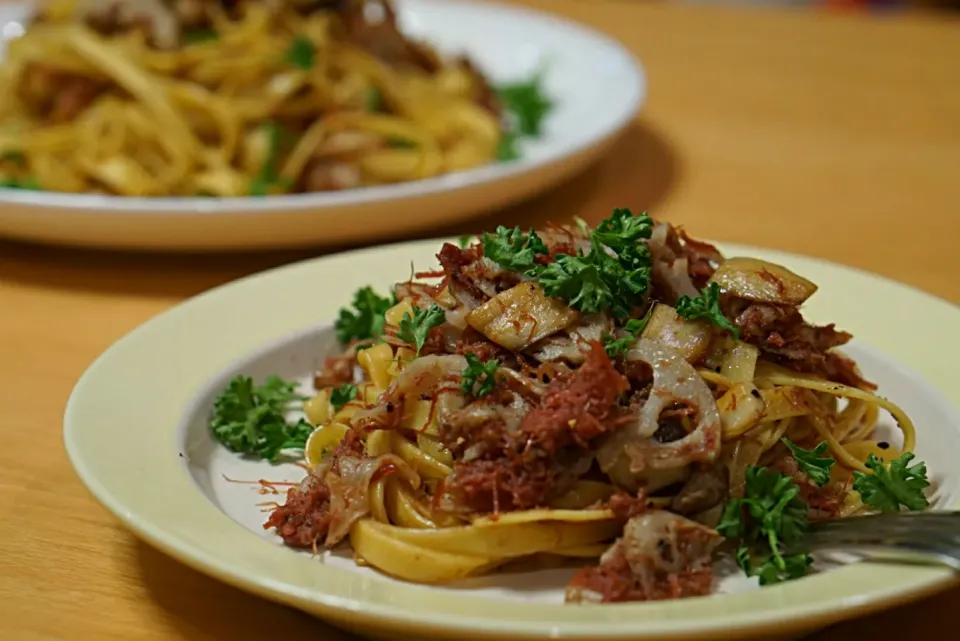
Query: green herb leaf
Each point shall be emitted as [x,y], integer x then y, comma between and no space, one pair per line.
[301,53]
[365,320]
[889,488]
[268,179]
[414,330]
[373,100]
[466,240]
[527,103]
[512,249]
[342,395]
[812,462]
[616,347]
[769,518]
[251,419]
[197,36]
[29,183]
[508,149]
[623,232]
[14,156]
[402,143]
[706,306]
[479,378]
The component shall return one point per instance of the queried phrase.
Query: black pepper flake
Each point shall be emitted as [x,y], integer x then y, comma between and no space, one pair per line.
[717,369]
[424,396]
[546,378]
[883,445]
[755,392]
[389,407]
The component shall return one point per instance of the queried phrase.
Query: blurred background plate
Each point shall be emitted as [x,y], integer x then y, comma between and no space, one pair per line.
[596,84]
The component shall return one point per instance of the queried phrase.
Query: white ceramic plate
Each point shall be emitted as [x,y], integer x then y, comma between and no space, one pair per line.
[596,84]
[135,432]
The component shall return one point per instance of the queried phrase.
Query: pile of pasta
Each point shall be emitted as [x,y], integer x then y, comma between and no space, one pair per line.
[210,98]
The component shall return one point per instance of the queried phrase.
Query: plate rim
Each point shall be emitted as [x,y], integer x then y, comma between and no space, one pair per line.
[484,175]
[910,584]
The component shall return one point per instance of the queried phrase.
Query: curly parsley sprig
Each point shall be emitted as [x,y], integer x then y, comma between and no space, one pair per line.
[769,518]
[812,462]
[365,320]
[413,330]
[889,488]
[614,276]
[618,346]
[251,419]
[706,306]
[342,395]
[479,378]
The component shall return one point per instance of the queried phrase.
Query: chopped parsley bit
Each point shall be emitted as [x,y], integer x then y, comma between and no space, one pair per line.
[889,488]
[268,179]
[365,321]
[373,100]
[196,36]
[812,462]
[706,306]
[479,378]
[14,156]
[342,395]
[527,103]
[413,331]
[29,183]
[525,107]
[251,419]
[512,249]
[508,149]
[465,241]
[769,518]
[301,53]
[617,346]
[402,143]
[592,282]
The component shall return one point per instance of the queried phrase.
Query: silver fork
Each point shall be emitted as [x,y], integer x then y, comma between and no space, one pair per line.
[914,537]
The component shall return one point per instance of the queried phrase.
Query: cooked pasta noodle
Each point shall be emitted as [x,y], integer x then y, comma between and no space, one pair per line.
[477,420]
[218,98]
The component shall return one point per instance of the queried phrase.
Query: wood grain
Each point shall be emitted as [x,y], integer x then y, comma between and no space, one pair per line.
[836,136]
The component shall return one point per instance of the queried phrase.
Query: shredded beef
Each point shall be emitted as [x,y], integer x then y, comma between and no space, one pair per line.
[517,469]
[781,332]
[614,582]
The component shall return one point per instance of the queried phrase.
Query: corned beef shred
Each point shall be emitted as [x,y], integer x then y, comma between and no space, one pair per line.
[304,519]
[825,502]
[781,332]
[614,582]
[701,258]
[517,469]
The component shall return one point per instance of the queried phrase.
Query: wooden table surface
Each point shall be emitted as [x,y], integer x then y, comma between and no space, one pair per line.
[837,136]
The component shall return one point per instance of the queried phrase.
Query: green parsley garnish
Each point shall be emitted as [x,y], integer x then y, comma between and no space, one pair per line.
[268,179]
[251,419]
[196,36]
[28,183]
[301,53]
[889,488]
[402,143]
[373,100]
[614,276]
[14,156]
[365,320]
[527,103]
[707,306]
[508,148]
[512,249]
[465,241]
[769,518]
[617,346]
[601,281]
[342,395]
[812,462]
[525,107]
[414,330]
[479,378]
